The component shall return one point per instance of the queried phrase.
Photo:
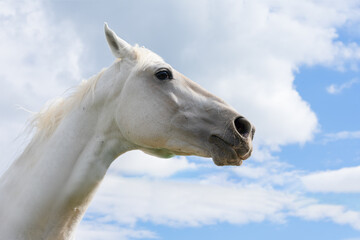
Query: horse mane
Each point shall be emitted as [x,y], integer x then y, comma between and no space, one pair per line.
[48,119]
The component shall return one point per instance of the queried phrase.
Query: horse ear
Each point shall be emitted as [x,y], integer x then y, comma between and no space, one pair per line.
[119,47]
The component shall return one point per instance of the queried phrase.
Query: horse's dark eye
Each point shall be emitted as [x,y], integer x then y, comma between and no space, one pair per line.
[163,74]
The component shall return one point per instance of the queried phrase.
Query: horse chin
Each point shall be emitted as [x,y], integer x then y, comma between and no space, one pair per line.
[224,154]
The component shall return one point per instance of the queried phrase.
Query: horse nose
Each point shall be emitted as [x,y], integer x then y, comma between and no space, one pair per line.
[243,127]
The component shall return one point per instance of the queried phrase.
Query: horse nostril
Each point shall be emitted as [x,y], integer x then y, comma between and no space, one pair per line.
[242,126]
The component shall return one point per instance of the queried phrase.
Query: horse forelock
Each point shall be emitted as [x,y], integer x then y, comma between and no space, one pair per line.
[146,58]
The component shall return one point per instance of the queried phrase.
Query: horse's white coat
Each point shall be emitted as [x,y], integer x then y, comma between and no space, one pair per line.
[46,191]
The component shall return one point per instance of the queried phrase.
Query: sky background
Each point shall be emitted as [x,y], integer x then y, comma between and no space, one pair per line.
[290,67]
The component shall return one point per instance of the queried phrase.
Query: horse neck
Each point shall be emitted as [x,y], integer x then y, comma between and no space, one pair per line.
[49,187]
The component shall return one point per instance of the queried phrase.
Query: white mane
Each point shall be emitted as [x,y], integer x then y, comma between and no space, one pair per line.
[47,120]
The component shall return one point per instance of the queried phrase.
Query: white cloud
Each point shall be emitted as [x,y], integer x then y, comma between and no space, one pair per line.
[343,135]
[139,163]
[186,203]
[270,174]
[126,201]
[90,231]
[249,55]
[251,172]
[337,89]
[344,180]
[335,213]
[39,61]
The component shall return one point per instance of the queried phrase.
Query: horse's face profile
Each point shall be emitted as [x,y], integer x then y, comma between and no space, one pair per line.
[162,112]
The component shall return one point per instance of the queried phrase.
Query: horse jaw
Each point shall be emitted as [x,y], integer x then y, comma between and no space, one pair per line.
[161,152]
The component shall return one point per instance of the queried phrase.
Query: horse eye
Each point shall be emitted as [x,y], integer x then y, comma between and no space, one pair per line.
[163,74]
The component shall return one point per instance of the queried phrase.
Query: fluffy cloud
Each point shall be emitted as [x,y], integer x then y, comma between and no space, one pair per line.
[337,89]
[331,137]
[199,202]
[91,231]
[335,213]
[39,58]
[184,203]
[271,173]
[250,52]
[139,163]
[39,61]
[345,180]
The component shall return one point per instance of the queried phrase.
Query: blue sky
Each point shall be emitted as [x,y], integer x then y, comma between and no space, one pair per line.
[291,67]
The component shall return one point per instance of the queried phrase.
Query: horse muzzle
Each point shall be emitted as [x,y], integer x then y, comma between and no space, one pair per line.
[233,146]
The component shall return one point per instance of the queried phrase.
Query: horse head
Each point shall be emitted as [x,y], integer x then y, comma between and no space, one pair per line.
[164,113]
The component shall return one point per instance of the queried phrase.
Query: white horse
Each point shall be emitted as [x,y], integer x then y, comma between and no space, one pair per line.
[140,102]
